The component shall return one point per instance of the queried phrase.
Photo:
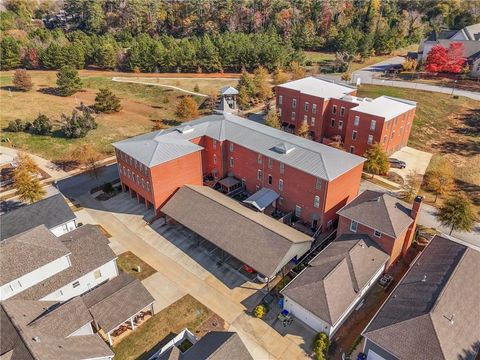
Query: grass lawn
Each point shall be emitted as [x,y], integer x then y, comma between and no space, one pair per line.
[141,104]
[128,263]
[319,56]
[184,313]
[376,59]
[447,127]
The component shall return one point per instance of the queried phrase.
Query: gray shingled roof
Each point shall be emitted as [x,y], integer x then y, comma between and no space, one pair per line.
[117,300]
[51,212]
[308,156]
[88,249]
[434,311]
[27,251]
[379,211]
[258,240]
[215,345]
[329,285]
[51,324]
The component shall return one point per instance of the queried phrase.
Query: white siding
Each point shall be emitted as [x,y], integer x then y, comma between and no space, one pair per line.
[64,228]
[88,281]
[35,277]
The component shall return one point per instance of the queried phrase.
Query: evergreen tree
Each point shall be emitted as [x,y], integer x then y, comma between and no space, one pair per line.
[10,53]
[41,125]
[260,79]
[94,17]
[457,213]
[106,102]
[68,81]
[22,80]
[246,82]
[79,124]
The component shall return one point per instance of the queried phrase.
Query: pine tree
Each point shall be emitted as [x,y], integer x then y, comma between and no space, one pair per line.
[22,80]
[106,102]
[187,109]
[68,81]
[377,160]
[10,53]
[41,125]
[457,213]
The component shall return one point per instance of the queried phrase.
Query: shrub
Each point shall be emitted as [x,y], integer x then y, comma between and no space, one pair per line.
[107,188]
[196,88]
[41,125]
[320,346]
[260,311]
[22,80]
[79,124]
[15,126]
[346,76]
[106,102]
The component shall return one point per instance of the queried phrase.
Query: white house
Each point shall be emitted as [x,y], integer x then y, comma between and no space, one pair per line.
[53,212]
[325,293]
[37,265]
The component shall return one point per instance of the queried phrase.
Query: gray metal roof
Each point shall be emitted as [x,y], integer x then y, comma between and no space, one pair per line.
[51,212]
[258,240]
[379,211]
[331,282]
[308,156]
[318,87]
[228,90]
[262,198]
[434,311]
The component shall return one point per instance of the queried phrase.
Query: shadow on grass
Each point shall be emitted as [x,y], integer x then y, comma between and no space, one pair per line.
[471,121]
[12,88]
[171,122]
[463,148]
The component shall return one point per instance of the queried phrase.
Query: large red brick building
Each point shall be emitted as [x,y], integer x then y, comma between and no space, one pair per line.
[333,110]
[312,180]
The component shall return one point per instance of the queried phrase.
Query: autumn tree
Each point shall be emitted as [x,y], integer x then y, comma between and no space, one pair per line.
[409,64]
[440,181]
[187,109]
[377,160]
[457,214]
[441,59]
[22,80]
[106,102]
[280,76]
[212,101]
[273,119]
[304,130]
[68,81]
[25,179]
[262,86]
[88,157]
[411,186]
[298,71]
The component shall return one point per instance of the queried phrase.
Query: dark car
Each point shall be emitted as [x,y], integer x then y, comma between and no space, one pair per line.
[399,164]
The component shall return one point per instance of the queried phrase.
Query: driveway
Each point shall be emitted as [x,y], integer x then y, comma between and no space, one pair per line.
[416,160]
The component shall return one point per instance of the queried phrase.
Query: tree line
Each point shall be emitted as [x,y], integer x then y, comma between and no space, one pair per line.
[213,35]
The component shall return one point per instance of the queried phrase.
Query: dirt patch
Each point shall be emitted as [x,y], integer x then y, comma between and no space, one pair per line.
[129,263]
[213,323]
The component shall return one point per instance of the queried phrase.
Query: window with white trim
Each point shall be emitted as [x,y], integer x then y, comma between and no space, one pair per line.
[280,185]
[280,99]
[392,134]
[318,184]
[334,109]
[373,124]
[385,139]
[259,174]
[356,121]
[312,121]
[282,168]
[377,233]
[354,135]
[259,158]
[231,147]
[148,186]
[270,163]
[340,124]
[314,108]
[316,201]
[270,179]
[294,103]
[293,115]
[231,161]
[305,118]
[332,122]
[370,139]
[143,184]
[353,226]
[298,211]
[342,111]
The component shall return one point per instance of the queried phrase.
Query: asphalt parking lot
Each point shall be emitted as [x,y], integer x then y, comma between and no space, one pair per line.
[226,268]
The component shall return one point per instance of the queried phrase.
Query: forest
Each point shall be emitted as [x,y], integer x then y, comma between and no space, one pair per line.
[214,35]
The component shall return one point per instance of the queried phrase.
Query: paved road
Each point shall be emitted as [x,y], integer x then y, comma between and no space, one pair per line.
[368,76]
[427,217]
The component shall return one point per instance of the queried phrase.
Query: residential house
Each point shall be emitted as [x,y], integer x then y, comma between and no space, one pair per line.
[37,265]
[388,221]
[257,240]
[325,293]
[333,111]
[53,212]
[45,330]
[215,345]
[469,37]
[434,312]
[313,181]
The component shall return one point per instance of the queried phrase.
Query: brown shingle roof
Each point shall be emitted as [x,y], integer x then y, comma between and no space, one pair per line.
[379,211]
[329,285]
[88,249]
[434,311]
[252,237]
[117,300]
[43,328]
[27,251]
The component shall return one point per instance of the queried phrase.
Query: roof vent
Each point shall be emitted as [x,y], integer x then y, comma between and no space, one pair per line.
[283,148]
[451,319]
[36,339]
[424,278]
[185,129]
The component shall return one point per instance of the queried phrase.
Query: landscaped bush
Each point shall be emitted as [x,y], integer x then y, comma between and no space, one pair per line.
[107,188]
[320,346]
[15,126]
[41,125]
[79,124]
[260,311]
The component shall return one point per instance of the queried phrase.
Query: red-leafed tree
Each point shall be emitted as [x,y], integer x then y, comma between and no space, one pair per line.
[441,59]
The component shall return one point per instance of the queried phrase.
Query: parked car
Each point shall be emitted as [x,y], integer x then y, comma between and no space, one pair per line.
[385,281]
[399,164]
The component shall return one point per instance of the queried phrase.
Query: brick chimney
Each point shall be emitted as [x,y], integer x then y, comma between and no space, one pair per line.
[416,207]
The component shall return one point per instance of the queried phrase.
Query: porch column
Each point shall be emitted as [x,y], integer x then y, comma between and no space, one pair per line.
[146,204]
[110,339]
[151,308]
[131,322]
[123,187]
[138,198]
